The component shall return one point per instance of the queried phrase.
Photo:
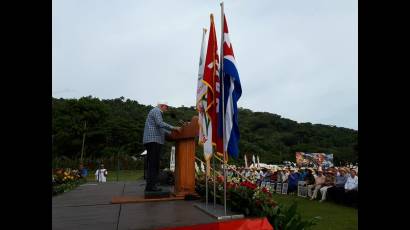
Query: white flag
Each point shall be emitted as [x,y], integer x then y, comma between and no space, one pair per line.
[201,102]
[205,128]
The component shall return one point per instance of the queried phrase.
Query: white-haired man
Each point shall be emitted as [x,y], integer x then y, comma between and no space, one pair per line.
[351,188]
[154,137]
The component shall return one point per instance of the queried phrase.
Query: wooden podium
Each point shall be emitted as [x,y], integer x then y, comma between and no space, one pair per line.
[185,158]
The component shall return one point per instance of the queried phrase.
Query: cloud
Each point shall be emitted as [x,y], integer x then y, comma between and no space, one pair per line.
[297,59]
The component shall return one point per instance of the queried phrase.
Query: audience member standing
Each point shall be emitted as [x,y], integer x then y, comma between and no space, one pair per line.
[101,174]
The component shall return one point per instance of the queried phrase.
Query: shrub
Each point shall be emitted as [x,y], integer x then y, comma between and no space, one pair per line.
[64,180]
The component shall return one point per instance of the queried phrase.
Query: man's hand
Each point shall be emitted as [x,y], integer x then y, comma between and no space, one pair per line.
[178,129]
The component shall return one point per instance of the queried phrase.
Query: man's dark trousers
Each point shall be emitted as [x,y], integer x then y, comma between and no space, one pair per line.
[153,157]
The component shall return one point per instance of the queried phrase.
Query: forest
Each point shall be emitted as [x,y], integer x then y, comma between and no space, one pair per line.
[103,129]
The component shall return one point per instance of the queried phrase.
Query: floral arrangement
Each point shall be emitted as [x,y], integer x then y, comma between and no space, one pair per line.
[64,180]
[233,179]
[254,201]
[61,176]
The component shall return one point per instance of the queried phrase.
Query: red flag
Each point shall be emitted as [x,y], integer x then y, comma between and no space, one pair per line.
[211,79]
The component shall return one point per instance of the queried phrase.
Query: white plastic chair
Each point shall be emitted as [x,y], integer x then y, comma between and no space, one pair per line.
[279,187]
[285,188]
[302,189]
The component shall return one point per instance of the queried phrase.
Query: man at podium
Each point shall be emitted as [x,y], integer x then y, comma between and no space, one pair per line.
[154,137]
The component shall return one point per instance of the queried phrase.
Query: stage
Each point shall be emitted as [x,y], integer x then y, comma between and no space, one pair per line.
[90,206]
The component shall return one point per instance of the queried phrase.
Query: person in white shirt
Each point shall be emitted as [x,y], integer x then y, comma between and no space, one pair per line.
[101,174]
[351,188]
[352,182]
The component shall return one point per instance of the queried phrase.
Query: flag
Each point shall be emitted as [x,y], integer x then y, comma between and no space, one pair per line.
[211,80]
[204,122]
[232,93]
[205,137]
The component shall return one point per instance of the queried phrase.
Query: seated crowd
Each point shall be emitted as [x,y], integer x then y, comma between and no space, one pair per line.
[337,184]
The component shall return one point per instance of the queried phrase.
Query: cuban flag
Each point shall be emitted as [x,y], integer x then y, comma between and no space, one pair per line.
[232,93]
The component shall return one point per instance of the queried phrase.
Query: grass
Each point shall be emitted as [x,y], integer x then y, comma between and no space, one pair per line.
[333,216]
[123,175]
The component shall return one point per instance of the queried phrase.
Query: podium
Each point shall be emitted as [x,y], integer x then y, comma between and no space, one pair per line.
[185,158]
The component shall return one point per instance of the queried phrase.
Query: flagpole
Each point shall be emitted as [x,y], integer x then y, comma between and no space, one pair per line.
[213,162]
[223,100]
[206,186]
[217,212]
[214,104]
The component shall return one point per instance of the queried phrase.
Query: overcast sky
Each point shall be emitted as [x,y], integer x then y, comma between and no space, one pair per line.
[296,58]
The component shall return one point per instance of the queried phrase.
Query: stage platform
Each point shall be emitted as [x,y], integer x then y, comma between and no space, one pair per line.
[91,206]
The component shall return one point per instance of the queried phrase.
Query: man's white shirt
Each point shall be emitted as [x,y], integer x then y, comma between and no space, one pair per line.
[352,183]
[100,175]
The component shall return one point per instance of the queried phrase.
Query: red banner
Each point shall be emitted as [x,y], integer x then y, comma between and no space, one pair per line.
[242,224]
